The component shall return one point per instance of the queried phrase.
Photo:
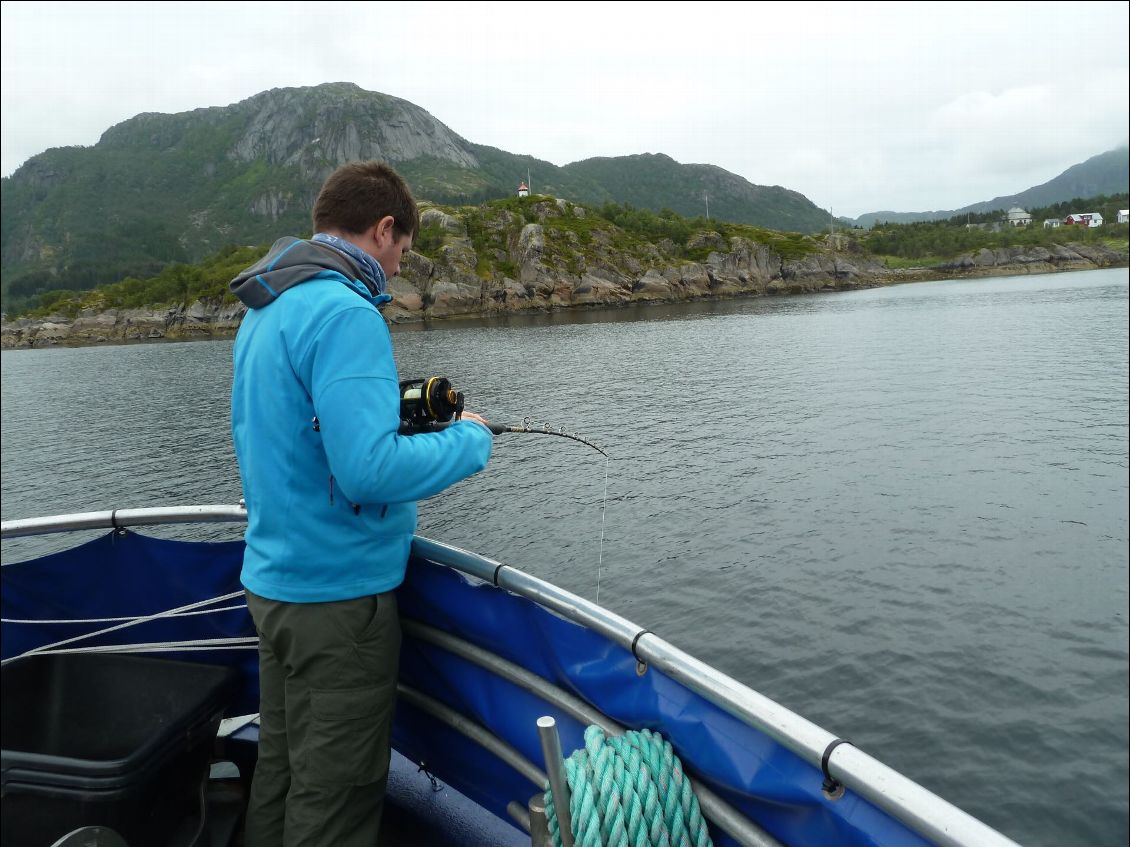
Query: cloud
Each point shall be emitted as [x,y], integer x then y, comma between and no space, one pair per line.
[859,107]
[1017,128]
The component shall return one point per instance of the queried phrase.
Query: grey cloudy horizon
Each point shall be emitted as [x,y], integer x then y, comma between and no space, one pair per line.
[861,107]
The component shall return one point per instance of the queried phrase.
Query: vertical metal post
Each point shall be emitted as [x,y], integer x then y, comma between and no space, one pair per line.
[539,824]
[555,769]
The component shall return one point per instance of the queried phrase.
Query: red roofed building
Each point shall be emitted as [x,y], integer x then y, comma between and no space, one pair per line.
[1089,219]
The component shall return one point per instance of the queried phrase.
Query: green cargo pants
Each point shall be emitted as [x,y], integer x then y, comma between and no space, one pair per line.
[327,682]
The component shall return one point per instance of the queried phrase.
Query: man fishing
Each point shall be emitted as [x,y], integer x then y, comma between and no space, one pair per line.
[331,490]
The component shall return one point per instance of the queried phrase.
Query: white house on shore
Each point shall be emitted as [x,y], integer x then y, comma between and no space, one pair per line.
[1124,216]
[523,190]
[1052,223]
[1018,217]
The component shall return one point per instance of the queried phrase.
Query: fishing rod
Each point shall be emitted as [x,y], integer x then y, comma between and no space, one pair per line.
[432,404]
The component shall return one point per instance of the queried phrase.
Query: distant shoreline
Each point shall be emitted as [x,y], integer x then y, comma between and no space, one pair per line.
[46,333]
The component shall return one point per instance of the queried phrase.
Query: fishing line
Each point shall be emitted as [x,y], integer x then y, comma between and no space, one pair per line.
[603,514]
[432,404]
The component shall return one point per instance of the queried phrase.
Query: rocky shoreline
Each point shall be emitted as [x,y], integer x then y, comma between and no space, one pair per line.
[546,279]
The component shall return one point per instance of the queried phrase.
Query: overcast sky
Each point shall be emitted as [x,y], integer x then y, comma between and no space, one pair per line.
[859,106]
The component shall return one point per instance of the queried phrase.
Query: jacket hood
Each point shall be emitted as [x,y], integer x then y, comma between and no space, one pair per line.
[293,261]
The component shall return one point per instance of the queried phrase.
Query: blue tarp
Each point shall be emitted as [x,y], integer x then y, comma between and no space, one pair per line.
[773,786]
[130,574]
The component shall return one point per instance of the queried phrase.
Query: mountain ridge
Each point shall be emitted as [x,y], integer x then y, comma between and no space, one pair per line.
[160,188]
[1105,173]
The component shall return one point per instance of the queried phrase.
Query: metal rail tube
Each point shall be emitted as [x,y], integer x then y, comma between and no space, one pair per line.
[511,672]
[921,810]
[122,517]
[714,808]
[473,731]
[520,815]
[798,734]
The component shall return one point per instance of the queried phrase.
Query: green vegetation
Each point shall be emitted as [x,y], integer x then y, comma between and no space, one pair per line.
[613,231]
[165,191]
[1105,204]
[428,240]
[932,242]
[666,224]
[652,226]
[127,208]
[655,181]
[483,239]
[177,285]
[159,190]
[1102,174]
[616,233]
[440,181]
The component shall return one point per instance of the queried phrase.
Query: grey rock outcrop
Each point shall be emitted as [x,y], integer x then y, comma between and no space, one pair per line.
[545,265]
[439,218]
[1033,259]
[316,132]
[198,320]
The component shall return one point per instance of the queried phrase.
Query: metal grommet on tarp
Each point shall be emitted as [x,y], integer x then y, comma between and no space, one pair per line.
[833,789]
[641,665]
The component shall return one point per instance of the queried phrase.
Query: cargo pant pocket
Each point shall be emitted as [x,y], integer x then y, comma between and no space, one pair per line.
[349,735]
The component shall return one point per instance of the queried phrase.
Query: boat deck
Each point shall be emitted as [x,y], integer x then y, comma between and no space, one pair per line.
[415,812]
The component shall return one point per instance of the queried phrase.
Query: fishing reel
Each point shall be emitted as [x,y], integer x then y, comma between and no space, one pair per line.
[424,403]
[430,405]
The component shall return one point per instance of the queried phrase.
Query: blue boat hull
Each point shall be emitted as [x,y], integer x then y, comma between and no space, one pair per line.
[123,574]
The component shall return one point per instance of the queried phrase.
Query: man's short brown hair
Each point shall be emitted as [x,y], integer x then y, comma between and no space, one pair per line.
[359,194]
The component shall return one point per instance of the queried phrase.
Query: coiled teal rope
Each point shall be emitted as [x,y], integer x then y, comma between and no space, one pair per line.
[629,791]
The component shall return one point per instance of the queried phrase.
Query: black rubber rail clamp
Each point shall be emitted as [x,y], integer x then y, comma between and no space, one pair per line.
[641,665]
[833,789]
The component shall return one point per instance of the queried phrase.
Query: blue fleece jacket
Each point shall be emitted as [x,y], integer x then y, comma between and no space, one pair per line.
[330,486]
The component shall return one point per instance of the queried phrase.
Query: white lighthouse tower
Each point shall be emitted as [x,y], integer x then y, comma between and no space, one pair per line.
[523,190]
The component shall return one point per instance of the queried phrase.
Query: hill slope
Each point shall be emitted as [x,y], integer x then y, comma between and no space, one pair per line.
[1106,173]
[164,188]
[537,254]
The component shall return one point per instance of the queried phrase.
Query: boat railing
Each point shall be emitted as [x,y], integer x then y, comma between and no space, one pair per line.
[121,518]
[918,808]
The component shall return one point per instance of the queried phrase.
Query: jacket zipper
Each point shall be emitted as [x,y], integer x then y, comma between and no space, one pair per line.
[356,506]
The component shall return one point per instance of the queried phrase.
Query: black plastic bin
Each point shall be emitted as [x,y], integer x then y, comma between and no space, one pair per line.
[101,739]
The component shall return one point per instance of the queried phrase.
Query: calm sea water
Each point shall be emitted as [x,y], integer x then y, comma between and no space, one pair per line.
[900,512]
